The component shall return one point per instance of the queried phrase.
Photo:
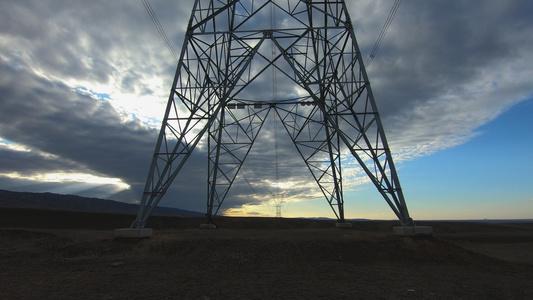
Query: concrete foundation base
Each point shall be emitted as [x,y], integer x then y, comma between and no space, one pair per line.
[343,225]
[413,230]
[133,232]
[208,226]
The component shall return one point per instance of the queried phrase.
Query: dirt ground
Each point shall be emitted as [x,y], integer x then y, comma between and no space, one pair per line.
[261,258]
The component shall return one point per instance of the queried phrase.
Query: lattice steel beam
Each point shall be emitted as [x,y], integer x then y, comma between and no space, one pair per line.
[227,54]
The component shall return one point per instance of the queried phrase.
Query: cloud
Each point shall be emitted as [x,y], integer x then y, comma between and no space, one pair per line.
[83,89]
[446,68]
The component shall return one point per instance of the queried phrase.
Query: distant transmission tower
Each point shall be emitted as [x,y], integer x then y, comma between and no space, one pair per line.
[278,210]
[323,99]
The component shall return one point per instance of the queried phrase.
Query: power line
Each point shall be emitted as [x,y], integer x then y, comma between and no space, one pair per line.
[382,33]
[160,29]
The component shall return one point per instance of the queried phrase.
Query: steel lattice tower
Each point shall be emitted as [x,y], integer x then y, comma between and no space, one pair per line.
[230,48]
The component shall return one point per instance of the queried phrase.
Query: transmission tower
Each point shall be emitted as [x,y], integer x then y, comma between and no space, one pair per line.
[324,101]
[278,210]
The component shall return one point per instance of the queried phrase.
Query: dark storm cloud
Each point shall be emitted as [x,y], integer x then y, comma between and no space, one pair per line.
[29,162]
[447,67]
[52,118]
[435,47]
[69,132]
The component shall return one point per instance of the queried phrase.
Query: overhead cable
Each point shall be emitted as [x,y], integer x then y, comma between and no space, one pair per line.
[382,33]
[160,29]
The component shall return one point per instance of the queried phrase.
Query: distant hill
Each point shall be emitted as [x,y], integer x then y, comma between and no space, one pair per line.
[52,201]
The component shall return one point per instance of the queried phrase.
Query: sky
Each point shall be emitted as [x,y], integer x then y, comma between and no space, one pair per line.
[83,88]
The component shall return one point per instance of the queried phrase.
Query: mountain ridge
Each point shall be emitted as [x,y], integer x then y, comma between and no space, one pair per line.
[52,201]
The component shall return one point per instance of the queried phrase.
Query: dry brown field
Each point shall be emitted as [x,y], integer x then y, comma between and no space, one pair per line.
[67,255]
